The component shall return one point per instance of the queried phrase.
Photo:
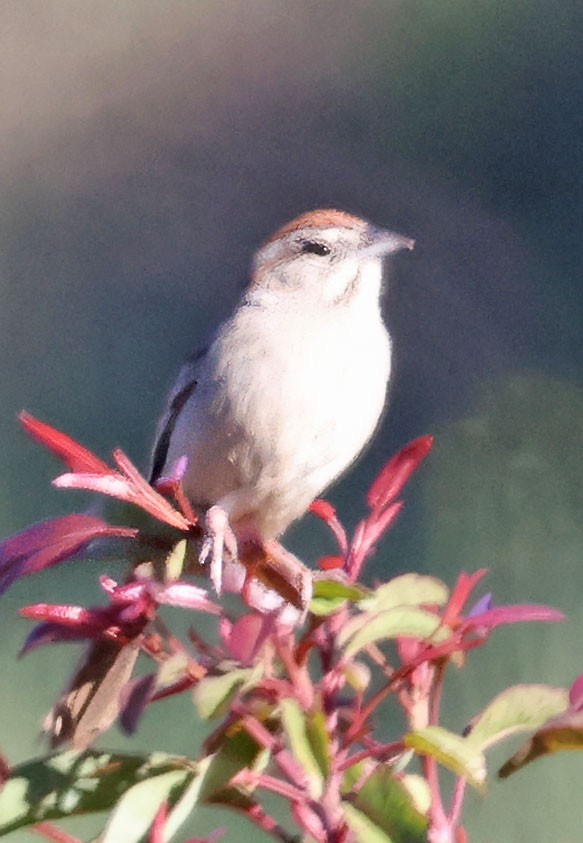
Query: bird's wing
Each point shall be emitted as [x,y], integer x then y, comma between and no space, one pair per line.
[181,392]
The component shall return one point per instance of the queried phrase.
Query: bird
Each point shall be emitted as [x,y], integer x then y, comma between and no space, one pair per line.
[291,387]
[274,409]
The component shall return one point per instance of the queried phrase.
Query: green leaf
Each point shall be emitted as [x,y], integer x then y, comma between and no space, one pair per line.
[319,738]
[352,775]
[208,784]
[557,735]
[214,694]
[175,560]
[418,790]
[407,590]
[363,828]
[295,726]
[237,750]
[330,595]
[172,670]
[451,750]
[387,804]
[408,621]
[517,709]
[205,783]
[358,675]
[135,812]
[73,783]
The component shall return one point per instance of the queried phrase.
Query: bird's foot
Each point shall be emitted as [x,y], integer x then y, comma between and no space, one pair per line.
[218,537]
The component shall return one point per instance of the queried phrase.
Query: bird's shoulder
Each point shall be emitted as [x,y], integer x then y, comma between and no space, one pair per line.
[183,388]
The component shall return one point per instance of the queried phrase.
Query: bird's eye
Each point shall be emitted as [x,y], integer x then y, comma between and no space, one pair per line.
[315,248]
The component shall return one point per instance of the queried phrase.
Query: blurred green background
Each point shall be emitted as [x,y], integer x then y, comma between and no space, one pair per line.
[146,148]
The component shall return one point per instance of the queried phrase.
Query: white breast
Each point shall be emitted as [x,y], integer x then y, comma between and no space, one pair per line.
[286,400]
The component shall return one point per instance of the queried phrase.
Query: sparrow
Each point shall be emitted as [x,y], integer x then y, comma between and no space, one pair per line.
[282,400]
[291,387]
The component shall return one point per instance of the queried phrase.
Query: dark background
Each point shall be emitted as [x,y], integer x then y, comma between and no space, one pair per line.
[147,148]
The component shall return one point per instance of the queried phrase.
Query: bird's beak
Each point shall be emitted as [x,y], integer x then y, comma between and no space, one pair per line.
[381,242]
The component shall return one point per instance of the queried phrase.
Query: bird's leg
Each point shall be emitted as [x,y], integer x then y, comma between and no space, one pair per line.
[218,536]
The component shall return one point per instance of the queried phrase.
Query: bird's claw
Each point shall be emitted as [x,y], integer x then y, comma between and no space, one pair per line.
[218,537]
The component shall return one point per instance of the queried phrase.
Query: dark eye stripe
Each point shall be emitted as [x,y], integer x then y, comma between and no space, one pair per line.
[315,248]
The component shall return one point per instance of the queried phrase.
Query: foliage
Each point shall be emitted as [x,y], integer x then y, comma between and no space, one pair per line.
[296,687]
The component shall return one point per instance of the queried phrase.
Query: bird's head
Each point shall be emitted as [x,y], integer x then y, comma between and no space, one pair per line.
[325,254]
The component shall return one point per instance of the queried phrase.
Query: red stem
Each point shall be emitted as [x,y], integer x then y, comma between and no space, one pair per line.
[440,823]
[457,801]
[52,832]
[384,752]
[268,824]
[286,763]
[246,778]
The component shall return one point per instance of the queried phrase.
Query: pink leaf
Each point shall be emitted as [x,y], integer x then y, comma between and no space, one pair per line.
[483,604]
[92,474]
[356,546]
[397,472]
[367,534]
[460,594]
[130,592]
[576,694]
[147,497]
[323,510]
[327,513]
[246,636]
[134,698]
[512,614]
[409,648]
[186,596]
[330,563]
[50,543]
[65,615]
[157,833]
[181,594]
[75,456]
[185,683]
[51,633]
[124,488]
[119,622]
[112,484]
[51,832]
[375,527]
[4,771]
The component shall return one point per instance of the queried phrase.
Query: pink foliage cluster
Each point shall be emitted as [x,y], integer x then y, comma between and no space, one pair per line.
[339,698]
